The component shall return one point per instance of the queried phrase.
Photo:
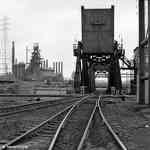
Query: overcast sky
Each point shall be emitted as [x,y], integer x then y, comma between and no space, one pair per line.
[56,24]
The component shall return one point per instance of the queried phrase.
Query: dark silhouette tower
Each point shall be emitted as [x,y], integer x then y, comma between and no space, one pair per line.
[13,56]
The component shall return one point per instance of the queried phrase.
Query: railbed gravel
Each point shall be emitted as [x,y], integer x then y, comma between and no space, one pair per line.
[131,125]
[15,125]
[70,135]
[98,137]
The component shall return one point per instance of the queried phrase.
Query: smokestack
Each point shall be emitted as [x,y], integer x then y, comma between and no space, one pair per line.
[62,68]
[13,56]
[56,68]
[59,66]
[46,63]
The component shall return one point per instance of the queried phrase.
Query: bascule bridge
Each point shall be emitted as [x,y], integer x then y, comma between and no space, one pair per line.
[97,51]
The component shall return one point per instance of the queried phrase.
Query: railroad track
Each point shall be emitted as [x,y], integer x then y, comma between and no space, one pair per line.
[76,136]
[42,134]
[6,111]
[69,129]
[98,132]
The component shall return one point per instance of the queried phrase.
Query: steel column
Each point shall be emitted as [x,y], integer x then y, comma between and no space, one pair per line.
[85,78]
[149,46]
[62,68]
[141,85]
[56,66]
[91,72]
[13,56]
[77,76]
[117,75]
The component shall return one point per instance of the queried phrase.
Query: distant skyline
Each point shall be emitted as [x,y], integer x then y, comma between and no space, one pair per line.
[55,25]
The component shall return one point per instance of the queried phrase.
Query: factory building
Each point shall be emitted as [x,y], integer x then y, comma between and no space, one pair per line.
[37,69]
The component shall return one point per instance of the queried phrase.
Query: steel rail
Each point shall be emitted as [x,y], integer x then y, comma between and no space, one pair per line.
[5,146]
[117,139]
[35,95]
[87,128]
[37,105]
[45,101]
[28,104]
[17,139]
[63,124]
[119,142]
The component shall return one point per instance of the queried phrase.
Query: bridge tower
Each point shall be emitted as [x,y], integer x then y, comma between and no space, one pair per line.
[97,51]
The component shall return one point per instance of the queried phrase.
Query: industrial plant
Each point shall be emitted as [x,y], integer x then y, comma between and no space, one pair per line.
[105,105]
[37,69]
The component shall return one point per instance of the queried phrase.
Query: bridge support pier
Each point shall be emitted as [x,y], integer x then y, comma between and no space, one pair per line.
[140,73]
[91,79]
[85,75]
[77,76]
[147,61]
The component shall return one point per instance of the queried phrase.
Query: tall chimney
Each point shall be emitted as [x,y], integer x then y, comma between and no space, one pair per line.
[59,66]
[13,56]
[56,68]
[62,68]
[46,63]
